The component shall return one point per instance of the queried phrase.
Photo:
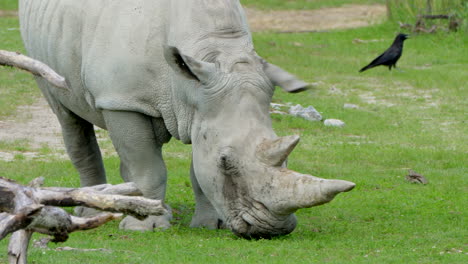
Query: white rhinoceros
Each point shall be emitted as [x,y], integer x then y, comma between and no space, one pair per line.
[149,70]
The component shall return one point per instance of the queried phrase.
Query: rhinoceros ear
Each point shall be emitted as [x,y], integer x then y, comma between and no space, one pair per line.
[284,79]
[189,67]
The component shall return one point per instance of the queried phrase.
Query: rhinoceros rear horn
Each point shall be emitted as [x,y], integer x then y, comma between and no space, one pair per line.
[275,152]
[187,66]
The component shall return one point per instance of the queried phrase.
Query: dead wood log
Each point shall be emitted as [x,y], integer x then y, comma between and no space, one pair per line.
[18,247]
[56,222]
[28,209]
[435,16]
[138,207]
[102,197]
[420,26]
[15,59]
[128,189]
[10,223]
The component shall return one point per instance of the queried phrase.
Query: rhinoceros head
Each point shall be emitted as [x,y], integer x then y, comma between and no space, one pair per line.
[237,158]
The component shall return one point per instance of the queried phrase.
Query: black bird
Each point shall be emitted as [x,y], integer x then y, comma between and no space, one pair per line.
[390,56]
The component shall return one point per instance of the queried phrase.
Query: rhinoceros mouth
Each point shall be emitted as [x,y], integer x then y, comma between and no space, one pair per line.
[258,222]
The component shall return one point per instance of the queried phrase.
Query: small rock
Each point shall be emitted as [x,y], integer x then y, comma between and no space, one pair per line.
[350,106]
[277,112]
[308,113]
[277,109]
[41,243]
[334,123]
[298,44]
[277,106]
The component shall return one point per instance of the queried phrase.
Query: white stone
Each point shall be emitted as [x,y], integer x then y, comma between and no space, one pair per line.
[334,123]
[350,106]
[277,106]
[308,113]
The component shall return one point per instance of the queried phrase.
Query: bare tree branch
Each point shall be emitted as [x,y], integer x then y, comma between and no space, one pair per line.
[10,223]
[18,247]
[139,207]
[33,66]
[28,209]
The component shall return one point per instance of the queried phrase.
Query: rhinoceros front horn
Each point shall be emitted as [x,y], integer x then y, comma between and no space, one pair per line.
[275,152]
[293,190]
[296,190]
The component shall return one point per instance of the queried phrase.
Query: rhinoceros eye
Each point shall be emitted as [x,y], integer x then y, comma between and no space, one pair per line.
[183,67]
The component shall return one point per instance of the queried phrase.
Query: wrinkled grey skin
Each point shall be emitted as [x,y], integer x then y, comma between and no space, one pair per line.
[149,70]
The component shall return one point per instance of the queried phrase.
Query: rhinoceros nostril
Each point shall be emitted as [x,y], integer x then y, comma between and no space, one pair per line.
[228,164]
[224,163]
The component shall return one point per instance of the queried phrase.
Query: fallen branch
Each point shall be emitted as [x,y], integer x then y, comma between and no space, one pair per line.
[454,23]
[425,30]
[28,209]
[138,207]
[43,242]
[18,247]
[56,222]
[15,59]
[128,188]
[82,249]
[436,16]
[10,223]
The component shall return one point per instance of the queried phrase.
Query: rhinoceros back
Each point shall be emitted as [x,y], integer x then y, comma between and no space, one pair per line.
[112,52]
[109,51]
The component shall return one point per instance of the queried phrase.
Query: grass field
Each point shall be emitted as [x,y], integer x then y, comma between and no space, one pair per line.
[414,118]
[9,5]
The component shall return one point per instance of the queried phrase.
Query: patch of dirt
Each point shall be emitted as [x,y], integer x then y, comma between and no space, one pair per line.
[39,126]
[35,123]
[349,16]
[8,13]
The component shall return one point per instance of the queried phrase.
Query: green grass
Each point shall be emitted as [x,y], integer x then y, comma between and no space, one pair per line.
[415,119]
[8,4]
[16,86]
[304,4]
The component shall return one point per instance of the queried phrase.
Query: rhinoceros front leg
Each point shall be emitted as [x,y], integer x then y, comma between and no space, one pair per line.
[79,138]
[139,146]
[80,142]
[82,148]
[205,214]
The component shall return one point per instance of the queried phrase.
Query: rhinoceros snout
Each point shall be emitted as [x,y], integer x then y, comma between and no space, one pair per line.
[250,226]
